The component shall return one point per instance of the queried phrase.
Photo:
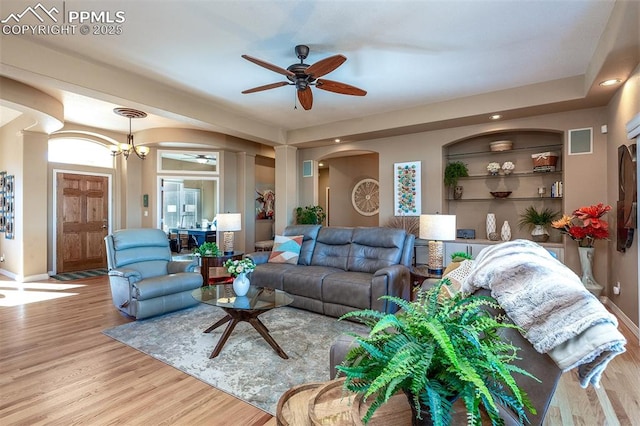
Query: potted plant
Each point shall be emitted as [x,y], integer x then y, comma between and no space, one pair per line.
[207,249]
[454,171]
[310,215]
[537,222]
[437,350]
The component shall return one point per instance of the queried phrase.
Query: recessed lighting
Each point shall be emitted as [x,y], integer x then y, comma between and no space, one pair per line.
[321,164]
[495,117]
[336,140]
[610,82]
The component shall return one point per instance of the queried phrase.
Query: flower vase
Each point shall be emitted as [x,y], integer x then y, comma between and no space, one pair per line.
[241,285]
[505,232]
[586,263]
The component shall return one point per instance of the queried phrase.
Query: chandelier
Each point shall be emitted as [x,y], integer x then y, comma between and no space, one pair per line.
[126,148]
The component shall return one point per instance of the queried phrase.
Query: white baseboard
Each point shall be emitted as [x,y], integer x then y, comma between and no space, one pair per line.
[23,279]
[622,317]
[8,274]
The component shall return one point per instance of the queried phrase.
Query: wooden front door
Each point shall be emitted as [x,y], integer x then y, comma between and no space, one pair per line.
[82,209]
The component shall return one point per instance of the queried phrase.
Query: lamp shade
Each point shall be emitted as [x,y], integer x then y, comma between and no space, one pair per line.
[440,227]
[229,222]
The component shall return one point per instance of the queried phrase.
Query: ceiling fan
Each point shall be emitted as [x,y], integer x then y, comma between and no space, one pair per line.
[201,158]
[303,76]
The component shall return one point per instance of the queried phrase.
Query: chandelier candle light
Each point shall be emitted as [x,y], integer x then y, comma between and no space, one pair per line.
[437,228]
[126,148]
[228,223]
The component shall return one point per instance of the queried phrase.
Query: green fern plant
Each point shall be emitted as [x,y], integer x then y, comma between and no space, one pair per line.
[437,350]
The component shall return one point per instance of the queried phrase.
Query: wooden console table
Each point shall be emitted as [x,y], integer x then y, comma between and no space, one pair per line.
[212,268]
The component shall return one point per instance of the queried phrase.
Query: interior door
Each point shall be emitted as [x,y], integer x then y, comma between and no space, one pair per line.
[82,209]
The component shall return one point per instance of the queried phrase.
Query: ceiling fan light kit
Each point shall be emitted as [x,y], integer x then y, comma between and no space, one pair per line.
[127,148]
[303,76]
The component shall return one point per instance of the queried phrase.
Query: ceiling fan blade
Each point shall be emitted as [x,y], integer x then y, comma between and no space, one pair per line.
[269,66]
[306,98]
[266,87]
[337,87]
[325,66]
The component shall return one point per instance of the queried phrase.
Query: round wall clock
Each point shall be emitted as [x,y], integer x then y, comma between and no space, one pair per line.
[365,197]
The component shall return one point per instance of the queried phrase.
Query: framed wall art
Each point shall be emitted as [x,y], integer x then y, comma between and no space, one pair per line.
[407,199]
[7,205]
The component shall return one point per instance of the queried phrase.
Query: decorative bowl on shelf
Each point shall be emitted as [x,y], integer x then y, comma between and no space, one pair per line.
[497,146]
[500,194]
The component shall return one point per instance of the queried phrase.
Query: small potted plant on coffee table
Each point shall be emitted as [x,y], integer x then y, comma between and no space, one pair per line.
[438,350]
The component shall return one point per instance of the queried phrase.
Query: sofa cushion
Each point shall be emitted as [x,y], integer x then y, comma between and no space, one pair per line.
[306,280]
[332,247]
[270,275]
[348,288]
[375,248]
[310,233]
[166,285]
[286,249]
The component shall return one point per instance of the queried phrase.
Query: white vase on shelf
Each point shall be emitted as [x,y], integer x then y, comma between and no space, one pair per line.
[505,232]
[491,224]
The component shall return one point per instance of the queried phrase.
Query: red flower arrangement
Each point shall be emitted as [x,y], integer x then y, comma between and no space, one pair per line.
[585,225]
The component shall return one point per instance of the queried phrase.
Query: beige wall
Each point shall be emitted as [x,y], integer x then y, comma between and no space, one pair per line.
[585,176]
[344,174]
[623,266]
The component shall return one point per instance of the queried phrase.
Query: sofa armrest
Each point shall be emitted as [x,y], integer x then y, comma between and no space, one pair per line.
[258,257]
[393,281]
[130,275]
[338,352]
[176,266]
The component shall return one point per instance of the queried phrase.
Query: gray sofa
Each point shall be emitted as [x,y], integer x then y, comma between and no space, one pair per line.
[341,269]
[144,280]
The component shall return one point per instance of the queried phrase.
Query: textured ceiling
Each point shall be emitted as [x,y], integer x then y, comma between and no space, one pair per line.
[405,54]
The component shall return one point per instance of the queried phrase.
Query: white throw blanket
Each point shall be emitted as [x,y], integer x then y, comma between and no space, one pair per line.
[549,302]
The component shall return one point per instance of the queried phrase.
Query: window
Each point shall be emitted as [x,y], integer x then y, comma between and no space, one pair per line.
[186,203]
[79,151]
[188,162]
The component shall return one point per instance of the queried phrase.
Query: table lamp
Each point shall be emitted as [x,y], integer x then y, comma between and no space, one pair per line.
[228,223]
[437,228]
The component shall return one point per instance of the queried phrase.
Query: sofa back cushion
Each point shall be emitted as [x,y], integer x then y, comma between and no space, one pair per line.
[332,247]
[309,234]
[375,248]
[144,250]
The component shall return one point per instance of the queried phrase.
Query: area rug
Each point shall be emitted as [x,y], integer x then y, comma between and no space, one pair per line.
[247,366]
[77,275]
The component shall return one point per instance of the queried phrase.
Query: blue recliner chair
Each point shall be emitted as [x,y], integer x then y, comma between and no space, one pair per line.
[144,280]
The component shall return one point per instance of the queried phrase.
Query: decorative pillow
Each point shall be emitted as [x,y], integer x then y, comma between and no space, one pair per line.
[457,276]
[286,249]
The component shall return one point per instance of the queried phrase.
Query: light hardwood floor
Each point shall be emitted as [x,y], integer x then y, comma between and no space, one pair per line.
[57,368]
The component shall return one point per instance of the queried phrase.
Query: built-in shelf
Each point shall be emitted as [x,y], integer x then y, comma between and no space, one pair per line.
[512,152]
[512,175]
[507,199]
